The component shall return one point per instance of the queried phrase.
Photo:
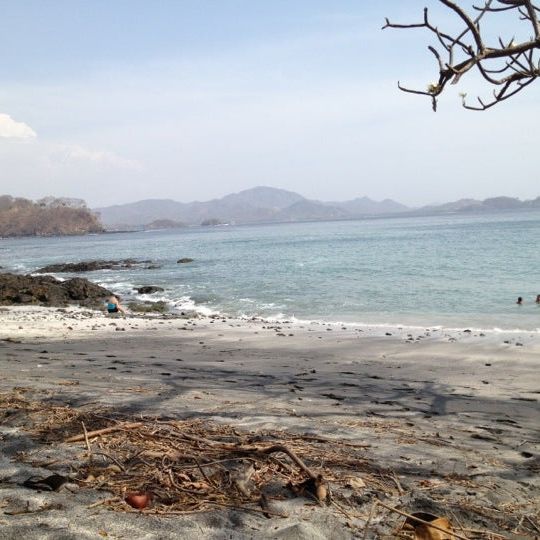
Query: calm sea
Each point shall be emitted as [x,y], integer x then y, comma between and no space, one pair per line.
[452,271]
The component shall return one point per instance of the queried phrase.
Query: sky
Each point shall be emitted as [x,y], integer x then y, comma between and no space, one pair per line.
[115,101]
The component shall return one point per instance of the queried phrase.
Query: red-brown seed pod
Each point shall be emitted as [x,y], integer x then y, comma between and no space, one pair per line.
[138,500]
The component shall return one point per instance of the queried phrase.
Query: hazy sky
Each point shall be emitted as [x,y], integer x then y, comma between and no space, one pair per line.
[120,100]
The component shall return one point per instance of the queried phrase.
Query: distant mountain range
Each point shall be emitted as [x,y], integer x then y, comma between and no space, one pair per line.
[272,205]
[256,205]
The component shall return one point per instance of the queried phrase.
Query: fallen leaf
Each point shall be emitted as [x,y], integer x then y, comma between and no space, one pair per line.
[425,532]
[355,482]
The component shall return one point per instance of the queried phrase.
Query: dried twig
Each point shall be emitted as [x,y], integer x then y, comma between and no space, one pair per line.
[396,481]
[532,523]
[417,519]
[370,517]
[98,432]
[248,509]
[87,441]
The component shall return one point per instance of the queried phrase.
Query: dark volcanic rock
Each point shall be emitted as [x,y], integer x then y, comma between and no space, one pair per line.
[48,291]
[149,307]
[91,266]
[149,289]
[184,260]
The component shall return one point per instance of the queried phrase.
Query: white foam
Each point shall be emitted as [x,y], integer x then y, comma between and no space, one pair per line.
[186,303]
[281,317]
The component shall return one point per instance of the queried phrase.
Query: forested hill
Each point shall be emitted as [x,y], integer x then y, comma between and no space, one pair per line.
[46,217]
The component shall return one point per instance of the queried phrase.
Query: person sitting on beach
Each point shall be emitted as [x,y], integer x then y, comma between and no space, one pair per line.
[519,301]
[113,305]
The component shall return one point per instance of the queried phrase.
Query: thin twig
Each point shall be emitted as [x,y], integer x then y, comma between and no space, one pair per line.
[371,514]
[248,509]
[532,523]
[104,501]
[394,477]
[104,431]
[87,441]
[414,518]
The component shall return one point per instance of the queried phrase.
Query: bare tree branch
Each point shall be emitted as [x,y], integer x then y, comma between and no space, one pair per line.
[507,66]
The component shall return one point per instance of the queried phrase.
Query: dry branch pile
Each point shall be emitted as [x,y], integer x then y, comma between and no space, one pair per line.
[170,467]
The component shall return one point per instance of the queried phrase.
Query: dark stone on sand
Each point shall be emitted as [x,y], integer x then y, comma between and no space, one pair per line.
[149,289]
[481,437]
[184,260]
[51,483]
[149,307]
[92,266]
[330,395]
[48,291]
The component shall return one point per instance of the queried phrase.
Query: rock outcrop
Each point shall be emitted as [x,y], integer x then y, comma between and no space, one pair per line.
[149,289]
[92,266]
[18,289]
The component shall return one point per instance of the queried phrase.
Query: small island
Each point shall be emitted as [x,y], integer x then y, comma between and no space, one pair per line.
[212,222]
[160,224]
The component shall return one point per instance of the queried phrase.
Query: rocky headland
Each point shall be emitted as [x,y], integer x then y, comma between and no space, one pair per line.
[46,217]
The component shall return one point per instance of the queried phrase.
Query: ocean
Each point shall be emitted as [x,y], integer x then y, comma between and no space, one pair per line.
[459,271]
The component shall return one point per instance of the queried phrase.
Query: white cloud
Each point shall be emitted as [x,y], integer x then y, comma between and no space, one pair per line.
[71,153]
[10,129]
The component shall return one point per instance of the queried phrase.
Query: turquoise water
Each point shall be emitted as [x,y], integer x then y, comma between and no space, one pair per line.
[454,271]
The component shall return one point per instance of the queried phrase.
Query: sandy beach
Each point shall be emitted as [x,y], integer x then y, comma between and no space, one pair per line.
[440,421]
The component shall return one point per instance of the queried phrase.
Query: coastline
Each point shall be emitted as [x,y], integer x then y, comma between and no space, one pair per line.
[453,414]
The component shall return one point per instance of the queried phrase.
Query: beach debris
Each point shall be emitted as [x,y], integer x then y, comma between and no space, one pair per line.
[265,506]
[184,260]
[429,527]
[241,479]
[138,500]
[422,525]
[315,488]
[196,465]
[354,482]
